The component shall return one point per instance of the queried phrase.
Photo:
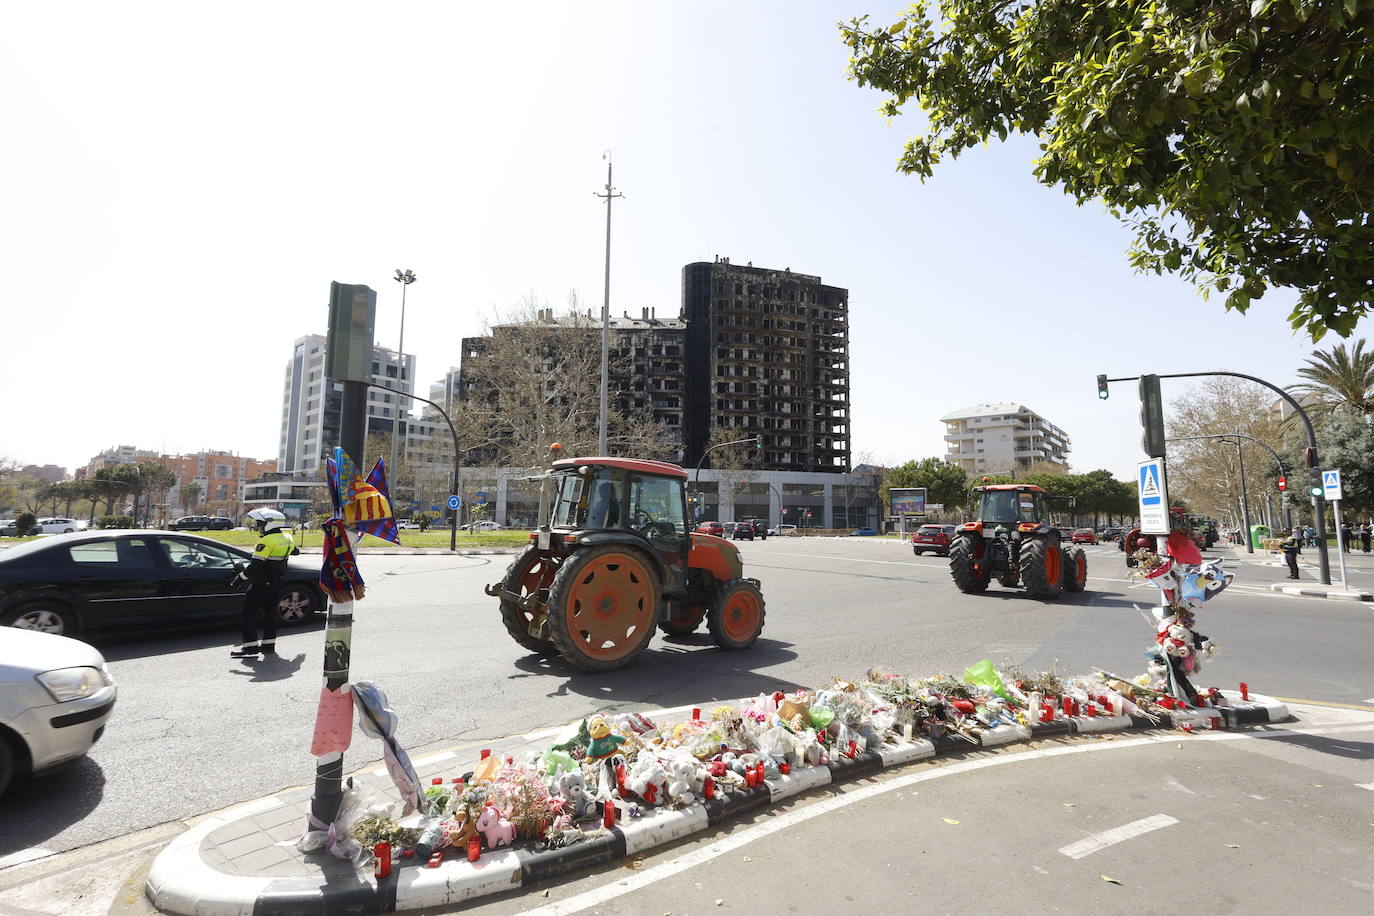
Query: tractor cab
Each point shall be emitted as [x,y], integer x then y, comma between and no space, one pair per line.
[1010,504]
[613,559]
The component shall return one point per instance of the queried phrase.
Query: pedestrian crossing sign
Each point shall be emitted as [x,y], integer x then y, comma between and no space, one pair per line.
[1331,484]
[1154,497]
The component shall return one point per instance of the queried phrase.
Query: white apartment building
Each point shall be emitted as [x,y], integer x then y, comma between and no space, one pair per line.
[1002,439]
[311,403]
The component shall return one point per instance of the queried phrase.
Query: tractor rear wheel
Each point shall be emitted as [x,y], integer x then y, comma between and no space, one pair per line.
[530,571]
[736,617]
[1075,570]
[602,607]
[963,566]
[1042,566]
[684,623]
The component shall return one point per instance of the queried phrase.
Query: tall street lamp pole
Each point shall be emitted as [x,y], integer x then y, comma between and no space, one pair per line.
[610,195]
[405,279]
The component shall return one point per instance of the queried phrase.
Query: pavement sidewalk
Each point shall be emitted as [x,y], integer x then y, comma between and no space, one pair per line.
[245,861]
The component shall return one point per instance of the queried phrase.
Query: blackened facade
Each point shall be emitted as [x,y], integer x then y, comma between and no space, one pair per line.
[767,355]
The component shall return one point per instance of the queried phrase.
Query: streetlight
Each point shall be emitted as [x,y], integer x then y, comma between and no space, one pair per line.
[610,195]
[405,279]
[696,483]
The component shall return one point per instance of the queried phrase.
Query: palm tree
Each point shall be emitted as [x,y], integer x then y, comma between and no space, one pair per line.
[1338,378]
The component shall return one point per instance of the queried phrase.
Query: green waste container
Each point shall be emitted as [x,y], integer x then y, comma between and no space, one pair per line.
[1257,534]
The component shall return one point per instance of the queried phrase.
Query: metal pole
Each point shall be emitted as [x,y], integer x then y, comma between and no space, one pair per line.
[1340,540]
[1244,500]
[606,315]
[338,627]
[405,279]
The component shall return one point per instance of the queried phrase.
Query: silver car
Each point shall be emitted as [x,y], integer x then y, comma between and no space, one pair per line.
[55,697]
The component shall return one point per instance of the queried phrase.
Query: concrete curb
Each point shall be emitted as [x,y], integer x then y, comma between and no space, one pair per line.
[180,880]
[1321,591]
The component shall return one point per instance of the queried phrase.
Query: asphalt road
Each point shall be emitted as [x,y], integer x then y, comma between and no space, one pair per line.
[196,731]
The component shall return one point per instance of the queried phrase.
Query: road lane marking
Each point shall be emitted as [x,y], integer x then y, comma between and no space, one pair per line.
[1365,785]
[26,855]
[712,852]
[1100,841]
[1355,706]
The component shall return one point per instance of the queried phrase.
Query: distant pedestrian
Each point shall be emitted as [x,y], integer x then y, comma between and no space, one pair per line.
[1364,538]
[1311,536]
[1291,548]
[263,575]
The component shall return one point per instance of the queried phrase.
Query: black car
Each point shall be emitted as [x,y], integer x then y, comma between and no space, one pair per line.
[190,523]
[72,583]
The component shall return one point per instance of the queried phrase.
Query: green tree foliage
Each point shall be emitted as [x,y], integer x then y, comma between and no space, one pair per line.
[1338,378]
[1345,440]
[945,482]
[1233,137]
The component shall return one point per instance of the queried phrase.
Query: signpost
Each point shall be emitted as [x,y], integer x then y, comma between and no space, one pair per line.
[1153,493]
[1331,489]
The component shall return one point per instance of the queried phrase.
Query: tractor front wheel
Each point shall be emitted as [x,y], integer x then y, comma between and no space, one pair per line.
[602,607]
[529,573]
[1042,566]
[736,617]
[964,568]
[1075,570]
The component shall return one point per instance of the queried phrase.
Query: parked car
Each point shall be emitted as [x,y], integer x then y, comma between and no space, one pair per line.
[406,524]
[783,530]
[760,527]
[863,532]
[739,531]
[220,523]
[932,539]
[483,526]
[1084,536]
[58,525]
[191,523]
[72,583]
[55,697]
[715,528]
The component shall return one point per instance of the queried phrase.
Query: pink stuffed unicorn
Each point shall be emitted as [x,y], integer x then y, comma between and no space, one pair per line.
[498,830]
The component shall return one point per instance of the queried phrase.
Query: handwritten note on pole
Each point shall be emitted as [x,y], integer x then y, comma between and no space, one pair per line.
[333,722]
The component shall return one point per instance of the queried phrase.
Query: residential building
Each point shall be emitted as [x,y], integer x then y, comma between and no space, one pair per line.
[770,357]
[1002,439]
[49,472]
[117,455]
[312,404]
[218,479]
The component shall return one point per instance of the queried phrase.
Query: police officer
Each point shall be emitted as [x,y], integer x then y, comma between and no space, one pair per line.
[1291,549]
[263,575]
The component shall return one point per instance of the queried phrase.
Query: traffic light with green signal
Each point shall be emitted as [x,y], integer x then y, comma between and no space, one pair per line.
[1102,391]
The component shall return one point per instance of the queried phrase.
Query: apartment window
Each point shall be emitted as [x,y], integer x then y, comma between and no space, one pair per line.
[222,470]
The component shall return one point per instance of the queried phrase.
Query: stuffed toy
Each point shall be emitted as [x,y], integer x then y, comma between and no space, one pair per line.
[577,800]
[647,779]
[498,830]
[683,781]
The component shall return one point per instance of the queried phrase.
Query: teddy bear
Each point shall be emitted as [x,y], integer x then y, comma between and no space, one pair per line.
[572,787]
[647,779]
[681,773]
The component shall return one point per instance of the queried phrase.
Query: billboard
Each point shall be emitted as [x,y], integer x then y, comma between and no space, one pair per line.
[908,500]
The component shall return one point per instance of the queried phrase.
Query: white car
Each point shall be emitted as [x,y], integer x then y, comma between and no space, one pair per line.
[483,526]
[55,697]
[783,530]
[58,525]
[406,524]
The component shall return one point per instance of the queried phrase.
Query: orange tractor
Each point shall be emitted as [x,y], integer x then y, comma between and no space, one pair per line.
[1015,545]
[613,559]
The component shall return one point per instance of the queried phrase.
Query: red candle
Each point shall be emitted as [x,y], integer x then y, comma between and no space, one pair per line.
[785,768]
[758,774]
[437,781]
[709,788]
[474,848]
[382,853]
[1092,709]
[1244,691]
[853,749]
[696,713]
[608,815]
[1068,706]
[485,753]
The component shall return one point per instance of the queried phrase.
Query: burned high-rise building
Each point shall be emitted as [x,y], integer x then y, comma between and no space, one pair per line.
[768,352]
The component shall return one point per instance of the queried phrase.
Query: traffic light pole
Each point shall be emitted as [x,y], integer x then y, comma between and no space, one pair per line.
[1313,466]
[1283,474]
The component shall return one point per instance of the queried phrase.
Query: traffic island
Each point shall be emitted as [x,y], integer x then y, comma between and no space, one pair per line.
[249,859]
[1317,590]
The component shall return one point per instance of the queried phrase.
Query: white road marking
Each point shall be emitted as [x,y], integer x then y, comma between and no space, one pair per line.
[1100,841]
[1365,785]
[25,855]
[711,853]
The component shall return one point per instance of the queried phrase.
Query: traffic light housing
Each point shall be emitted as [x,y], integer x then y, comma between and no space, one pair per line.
[1102,391]
[758,443]
[1283,484]
[1151,417]
[1315,474]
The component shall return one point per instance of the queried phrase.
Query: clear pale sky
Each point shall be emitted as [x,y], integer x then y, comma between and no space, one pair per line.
[182,181]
